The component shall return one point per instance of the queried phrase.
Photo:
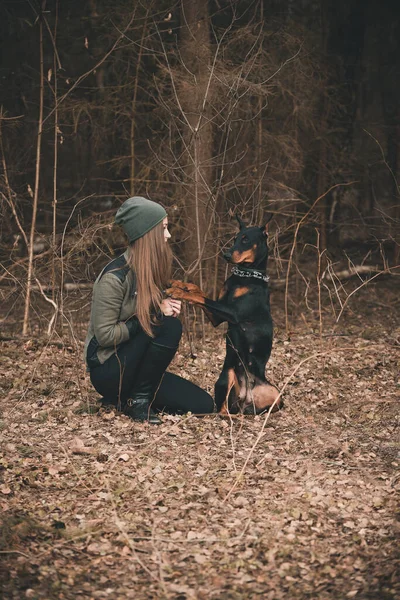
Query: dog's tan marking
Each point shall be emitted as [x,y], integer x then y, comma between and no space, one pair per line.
[246,256]
[240,291]
[232,382]
[224,408]
[222,292]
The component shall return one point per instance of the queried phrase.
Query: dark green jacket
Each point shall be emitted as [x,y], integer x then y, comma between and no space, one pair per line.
[113,306]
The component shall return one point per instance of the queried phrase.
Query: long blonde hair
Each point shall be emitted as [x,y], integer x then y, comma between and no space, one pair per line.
[150,257]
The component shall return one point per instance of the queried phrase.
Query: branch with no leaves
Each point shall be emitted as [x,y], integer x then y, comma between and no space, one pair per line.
[299,224]
[96,66]
[385,271]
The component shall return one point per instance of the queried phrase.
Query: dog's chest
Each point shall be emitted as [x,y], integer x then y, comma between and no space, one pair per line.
[248,299]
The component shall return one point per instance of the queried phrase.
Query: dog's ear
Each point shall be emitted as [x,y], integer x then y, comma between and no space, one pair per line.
[242,224]
[264,228]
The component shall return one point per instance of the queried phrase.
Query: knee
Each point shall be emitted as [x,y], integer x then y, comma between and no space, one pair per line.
[209,405]
[173,328]
[169,332]
[202,404]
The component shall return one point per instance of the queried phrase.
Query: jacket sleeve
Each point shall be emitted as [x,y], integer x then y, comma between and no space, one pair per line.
[109,295]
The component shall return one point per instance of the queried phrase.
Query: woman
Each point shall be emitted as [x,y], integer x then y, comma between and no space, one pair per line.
[134,333]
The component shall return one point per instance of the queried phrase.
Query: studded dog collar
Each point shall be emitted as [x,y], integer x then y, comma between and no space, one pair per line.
[250,273]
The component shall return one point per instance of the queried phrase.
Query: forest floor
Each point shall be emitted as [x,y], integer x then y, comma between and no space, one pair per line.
[300,504]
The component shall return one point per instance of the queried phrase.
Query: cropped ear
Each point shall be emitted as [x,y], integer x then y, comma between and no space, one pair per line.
[242,224]
[264,228]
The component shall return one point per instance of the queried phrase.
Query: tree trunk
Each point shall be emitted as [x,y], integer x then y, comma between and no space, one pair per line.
[132,173]
[322,162]
[197,135]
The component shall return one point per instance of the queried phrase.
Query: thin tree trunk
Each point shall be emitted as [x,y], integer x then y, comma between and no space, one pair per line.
[259,208]
[97,50]
[55,163]
[37,178]
[396,188]
[195,54]
[322,181]
[322,165]
[8,187]
[132,174]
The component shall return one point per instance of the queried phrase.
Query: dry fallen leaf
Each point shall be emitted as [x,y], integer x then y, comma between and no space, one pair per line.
[99,547]
[78,447]
[108,416]
[240,501]
[200,558]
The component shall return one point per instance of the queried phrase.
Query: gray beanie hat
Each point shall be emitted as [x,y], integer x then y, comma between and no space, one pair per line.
[138,215]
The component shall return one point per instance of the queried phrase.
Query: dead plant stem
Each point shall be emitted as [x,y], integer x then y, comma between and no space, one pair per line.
[55,163]
[362,285]
[37,179]
[292,250]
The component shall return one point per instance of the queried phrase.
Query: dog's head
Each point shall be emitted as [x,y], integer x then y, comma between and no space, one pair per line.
[250,247]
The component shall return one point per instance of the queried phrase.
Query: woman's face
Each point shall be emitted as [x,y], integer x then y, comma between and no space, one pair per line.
[167,234]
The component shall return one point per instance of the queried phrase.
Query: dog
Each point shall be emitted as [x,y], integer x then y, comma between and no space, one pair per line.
[244,303]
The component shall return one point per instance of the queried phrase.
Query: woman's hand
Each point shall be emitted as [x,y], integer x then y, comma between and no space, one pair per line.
[170,307]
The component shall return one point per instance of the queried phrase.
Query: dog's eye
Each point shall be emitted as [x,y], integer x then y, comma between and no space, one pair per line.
[245,239]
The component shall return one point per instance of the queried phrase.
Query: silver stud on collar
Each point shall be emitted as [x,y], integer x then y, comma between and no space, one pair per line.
[252,273]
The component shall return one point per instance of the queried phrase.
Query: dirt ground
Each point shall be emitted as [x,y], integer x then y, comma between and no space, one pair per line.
[300,504]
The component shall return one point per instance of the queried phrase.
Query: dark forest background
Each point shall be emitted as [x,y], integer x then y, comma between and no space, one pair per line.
[212,109]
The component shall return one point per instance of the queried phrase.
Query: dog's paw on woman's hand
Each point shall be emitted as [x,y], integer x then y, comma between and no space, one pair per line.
[174,292]
[192,288]
[176,283]
[183,291]
[193,297]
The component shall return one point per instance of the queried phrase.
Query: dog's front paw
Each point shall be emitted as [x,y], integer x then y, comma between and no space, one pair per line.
[176,288]
[176,292]
[177,283]
[181,294]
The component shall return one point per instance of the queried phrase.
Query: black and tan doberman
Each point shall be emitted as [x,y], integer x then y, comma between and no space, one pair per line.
[244,303]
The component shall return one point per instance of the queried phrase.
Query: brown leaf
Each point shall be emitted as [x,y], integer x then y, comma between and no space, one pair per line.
[200,558]
[126,551]
[240,501]
[78,447]
[99,547]
[108,416]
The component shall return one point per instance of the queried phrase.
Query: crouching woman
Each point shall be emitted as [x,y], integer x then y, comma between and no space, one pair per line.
[134,333]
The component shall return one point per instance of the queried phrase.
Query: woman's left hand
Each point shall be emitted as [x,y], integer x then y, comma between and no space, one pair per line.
[170,307]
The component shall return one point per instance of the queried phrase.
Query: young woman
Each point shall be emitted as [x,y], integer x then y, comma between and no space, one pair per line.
[134,333]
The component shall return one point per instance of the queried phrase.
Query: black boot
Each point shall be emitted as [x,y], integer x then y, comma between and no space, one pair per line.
[140,410]
[152,369]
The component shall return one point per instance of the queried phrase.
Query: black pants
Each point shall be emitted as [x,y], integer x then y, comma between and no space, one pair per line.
[115,379]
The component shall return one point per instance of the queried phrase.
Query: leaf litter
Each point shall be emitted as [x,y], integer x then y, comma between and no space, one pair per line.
[303,504]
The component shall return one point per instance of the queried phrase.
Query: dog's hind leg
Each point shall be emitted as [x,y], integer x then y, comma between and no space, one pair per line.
[226,386]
